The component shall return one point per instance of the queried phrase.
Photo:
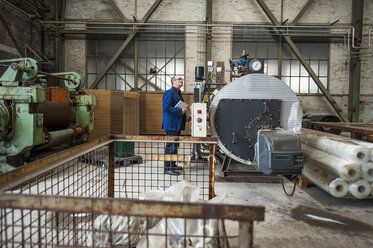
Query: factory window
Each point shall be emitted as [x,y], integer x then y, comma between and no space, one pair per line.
[160,55]
[263,43]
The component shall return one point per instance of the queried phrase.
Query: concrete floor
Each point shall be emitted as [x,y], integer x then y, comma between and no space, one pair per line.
[311,218]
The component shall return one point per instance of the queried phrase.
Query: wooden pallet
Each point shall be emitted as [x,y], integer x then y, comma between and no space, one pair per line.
[358,130]
[303,182]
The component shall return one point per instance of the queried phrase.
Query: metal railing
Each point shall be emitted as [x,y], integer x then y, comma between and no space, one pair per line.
[75,198]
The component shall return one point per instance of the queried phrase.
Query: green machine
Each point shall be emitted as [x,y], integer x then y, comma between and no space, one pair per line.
[30,121]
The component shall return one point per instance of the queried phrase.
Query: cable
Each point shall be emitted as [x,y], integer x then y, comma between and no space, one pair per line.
[294,186]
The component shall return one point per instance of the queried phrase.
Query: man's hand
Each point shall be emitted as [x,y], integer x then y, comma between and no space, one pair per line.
[184,111]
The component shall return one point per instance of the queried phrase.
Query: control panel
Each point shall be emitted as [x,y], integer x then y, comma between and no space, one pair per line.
[199,116]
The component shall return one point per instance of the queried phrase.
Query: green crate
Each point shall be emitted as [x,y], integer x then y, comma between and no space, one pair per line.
[125,149]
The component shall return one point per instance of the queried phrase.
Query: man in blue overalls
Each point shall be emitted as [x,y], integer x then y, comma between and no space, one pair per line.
[173,121]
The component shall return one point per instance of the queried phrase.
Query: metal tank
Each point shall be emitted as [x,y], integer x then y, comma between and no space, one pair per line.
[247,105]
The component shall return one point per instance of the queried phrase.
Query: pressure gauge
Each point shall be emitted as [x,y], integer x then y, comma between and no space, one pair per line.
[256,65]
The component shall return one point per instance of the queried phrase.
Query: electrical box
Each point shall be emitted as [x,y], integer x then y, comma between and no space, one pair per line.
[199,123]
[279,152]
[210,66]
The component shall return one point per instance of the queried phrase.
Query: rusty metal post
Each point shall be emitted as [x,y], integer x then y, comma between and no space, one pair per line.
[112,146]
[187,171]
[246,234]
[211,171]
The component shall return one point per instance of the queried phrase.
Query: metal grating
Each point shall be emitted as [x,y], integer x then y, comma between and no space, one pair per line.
[82,176]
[67,200]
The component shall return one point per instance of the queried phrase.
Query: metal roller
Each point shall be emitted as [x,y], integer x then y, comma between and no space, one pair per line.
[60,137]
[56,115]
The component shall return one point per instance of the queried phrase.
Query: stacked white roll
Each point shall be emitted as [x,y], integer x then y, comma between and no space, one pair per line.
[325,179]
[349,159]
[349,172]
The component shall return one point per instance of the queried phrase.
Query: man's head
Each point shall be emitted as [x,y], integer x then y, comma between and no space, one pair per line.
[177,82]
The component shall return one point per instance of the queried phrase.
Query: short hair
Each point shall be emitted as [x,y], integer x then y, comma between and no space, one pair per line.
[172,79]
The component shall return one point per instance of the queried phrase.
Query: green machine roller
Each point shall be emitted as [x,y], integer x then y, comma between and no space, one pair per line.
[28,122]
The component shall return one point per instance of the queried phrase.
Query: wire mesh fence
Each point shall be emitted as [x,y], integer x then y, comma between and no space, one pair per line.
[67,200]
[149,165]
[55,221]
[84,176]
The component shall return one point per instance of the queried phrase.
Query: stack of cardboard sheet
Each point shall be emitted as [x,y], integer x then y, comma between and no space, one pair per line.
[131,113]
[151,113]
[108,112]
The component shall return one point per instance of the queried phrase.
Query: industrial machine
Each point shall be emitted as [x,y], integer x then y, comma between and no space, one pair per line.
[245,65]
[257,119]
[34,117]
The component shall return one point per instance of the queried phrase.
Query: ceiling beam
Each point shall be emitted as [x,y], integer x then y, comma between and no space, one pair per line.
[124,45]
[93,31]
[306,65]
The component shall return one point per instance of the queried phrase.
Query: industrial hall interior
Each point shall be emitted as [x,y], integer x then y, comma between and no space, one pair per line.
[186,124]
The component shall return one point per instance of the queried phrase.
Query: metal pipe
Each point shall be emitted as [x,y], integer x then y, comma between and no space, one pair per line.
[353,39]
[111,183]
[132,24]
[176,139]
[54,76]
[212,149]
[57,138]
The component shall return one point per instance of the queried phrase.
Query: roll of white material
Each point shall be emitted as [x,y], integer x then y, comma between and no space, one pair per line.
[325,179]
[341,138]
[349,172]
[360,189]
[367,145]
[367,171]
[338,187]
[345,149]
